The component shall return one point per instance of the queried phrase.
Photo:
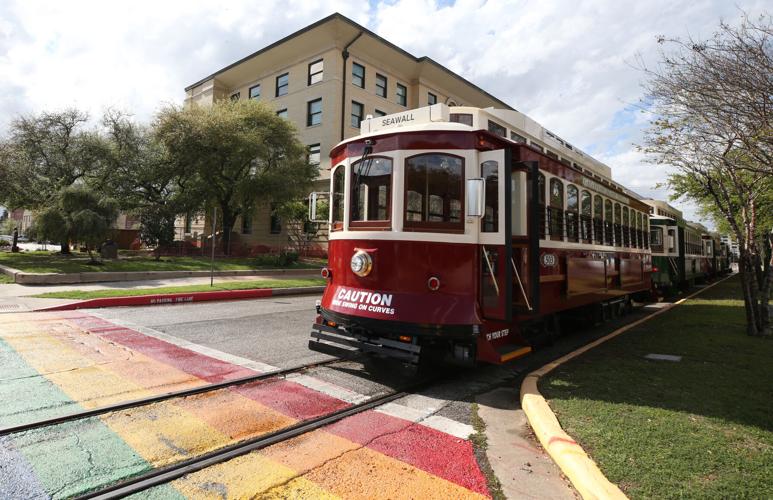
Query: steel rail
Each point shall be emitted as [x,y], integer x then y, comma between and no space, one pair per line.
[161,397]
[169,473]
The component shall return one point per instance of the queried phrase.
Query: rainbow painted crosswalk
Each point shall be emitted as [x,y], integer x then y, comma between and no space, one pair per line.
[57,363]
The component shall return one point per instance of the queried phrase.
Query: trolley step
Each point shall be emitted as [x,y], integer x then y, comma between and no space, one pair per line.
[509,352]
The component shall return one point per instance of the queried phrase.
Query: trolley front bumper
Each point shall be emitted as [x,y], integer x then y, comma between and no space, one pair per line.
[327,339]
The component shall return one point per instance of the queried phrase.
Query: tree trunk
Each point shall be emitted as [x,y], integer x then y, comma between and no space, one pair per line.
[65,247]
[767,279]
[229,218]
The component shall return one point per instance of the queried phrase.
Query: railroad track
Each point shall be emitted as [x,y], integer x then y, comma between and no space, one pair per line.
[134,403]
[162,475]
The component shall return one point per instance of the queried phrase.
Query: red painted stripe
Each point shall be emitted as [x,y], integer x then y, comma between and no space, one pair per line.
[291,399]
[159,299]
[193,363]
[427,449]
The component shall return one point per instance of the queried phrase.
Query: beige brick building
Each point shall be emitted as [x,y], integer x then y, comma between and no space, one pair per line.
[325,78]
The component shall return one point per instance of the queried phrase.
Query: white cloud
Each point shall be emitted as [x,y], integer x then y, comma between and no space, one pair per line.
[133,55]
[567,64]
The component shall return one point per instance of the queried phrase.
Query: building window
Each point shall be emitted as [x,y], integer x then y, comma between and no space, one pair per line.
[517,138]
[314,154]
[380,113]
[276,222]
[402,95]
[255,92]
[489,170]
[314,112]
[357,113]
[537,147]
[235,96]
[371,191]
[431,98]
[463,118]
[551,154]
[247,223]
[496,128]
[358,75]
[282,84]
[282,113]
[434,192]
[315,72]
[381,85]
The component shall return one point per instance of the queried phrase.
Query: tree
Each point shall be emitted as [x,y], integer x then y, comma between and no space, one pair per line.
[45,154]
[237,153]
[136,170]
[79,215]
[300,231]
[713,100]
[157,227]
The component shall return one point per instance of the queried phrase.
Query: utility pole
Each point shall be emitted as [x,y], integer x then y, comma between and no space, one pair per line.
[212,264]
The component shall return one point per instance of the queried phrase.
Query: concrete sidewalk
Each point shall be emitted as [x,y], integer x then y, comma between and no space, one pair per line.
[18,298]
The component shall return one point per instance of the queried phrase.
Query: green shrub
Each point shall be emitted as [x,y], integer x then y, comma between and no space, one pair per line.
[284,259]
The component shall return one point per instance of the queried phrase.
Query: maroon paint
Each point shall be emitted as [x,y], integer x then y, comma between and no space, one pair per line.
[402,268]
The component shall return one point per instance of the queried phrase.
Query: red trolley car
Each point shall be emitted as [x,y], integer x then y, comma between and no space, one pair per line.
[455,232]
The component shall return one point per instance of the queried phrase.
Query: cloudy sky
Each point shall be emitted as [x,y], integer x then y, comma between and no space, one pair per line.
[570,65]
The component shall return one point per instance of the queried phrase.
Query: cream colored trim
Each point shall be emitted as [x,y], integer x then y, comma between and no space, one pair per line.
[570,245]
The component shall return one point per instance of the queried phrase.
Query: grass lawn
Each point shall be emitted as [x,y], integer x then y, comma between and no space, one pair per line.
[700,428]
[47,262]
[233,285]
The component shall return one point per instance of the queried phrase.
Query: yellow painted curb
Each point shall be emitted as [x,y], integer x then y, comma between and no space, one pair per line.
[581,470]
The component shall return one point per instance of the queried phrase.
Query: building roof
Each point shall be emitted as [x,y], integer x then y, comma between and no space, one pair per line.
[355,28]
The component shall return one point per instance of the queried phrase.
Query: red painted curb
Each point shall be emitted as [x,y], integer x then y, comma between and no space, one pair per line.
[167,299]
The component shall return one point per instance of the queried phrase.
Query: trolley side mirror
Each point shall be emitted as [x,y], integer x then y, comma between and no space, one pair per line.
[318,202]
[475,197]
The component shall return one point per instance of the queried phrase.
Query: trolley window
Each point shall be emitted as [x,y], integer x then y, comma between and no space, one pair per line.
[656,239]
[541,205]
[371,193]
[572,209]
[556,210]
[608,226]
[489,170]
[586,216]
[434,193]
[626,228]
[337,198]
[598,219]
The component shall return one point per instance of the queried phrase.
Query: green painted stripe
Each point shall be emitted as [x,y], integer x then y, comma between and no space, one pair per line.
[26,394]
[67,459]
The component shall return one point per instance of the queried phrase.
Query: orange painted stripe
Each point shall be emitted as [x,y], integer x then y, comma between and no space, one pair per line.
[515,354]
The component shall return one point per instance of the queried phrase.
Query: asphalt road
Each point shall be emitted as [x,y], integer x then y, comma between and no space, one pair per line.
[276,331]
[273,331]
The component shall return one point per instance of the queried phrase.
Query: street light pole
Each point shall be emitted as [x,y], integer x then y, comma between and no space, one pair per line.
[212,264]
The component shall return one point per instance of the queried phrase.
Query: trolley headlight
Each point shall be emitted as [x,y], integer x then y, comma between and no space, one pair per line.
[361,263]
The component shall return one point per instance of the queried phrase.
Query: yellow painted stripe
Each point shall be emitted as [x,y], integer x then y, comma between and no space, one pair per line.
[320,465]
[248,476]
[90,369]
[523,351]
